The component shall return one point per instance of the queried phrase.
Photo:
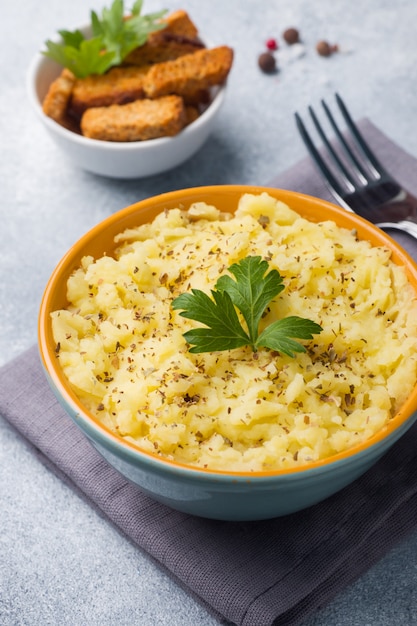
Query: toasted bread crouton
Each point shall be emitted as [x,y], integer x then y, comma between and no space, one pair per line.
[198,98]
[164,48]
[137,121]
[179,23]
[59,93]
[191,114]
[179,37]
[190,73]
[119,86]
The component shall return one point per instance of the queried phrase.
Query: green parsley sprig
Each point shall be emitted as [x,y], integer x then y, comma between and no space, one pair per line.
[251,292]
[113,38]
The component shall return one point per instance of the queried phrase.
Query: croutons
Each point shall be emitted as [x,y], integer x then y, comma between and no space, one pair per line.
[119,86]
[179,23]
[191,114]
[56,100]
[179,37]
[137,121]
[172,62]
[190,73]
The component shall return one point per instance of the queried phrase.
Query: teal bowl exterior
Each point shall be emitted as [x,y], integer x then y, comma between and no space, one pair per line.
[229,497]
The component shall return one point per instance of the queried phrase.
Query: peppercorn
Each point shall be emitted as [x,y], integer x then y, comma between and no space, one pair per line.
[324,49]
[272,44]
[291,36]
[267,63]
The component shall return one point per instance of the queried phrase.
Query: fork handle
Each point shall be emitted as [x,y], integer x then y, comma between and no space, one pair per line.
[404,225]
[402,210]
[403,207]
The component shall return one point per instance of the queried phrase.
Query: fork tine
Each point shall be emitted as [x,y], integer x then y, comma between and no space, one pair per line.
[378,167]
[362,174]
[320,163]
[330,148]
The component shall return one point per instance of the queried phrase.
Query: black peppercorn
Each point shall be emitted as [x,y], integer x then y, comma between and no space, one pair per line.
[291,35]
[323,48]
[267,63]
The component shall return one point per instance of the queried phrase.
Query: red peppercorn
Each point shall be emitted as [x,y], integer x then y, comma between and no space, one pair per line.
[272,44]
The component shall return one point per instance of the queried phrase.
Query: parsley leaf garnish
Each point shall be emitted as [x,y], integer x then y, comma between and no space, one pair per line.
[219,315]
[88,58]
[251,291]
[113,37]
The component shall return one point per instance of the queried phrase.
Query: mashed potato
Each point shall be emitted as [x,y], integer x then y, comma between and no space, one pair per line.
[121,347]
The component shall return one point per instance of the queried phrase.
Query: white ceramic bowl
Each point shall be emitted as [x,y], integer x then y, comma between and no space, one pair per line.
[125,159]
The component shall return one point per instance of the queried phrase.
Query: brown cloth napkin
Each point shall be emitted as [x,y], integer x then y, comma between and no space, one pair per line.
[274,572]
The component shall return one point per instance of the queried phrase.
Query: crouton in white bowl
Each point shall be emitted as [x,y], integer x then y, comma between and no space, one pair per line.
[144,117]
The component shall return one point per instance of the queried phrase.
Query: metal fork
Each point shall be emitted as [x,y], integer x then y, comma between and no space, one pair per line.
[359,182]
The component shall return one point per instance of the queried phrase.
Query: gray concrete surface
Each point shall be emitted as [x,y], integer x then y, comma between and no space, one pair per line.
[60,562]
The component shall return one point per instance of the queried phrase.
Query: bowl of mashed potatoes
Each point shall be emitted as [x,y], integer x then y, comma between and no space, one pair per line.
[237,432]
